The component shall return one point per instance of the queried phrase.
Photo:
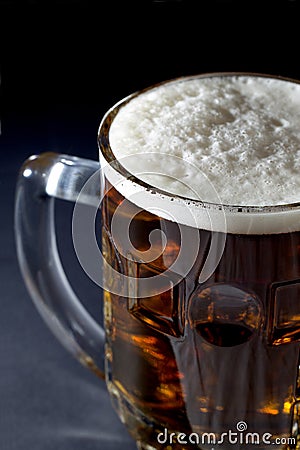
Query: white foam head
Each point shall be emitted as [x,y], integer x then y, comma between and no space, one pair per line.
[229,139]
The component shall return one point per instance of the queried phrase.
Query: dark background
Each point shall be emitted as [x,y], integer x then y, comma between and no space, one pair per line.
[63,64]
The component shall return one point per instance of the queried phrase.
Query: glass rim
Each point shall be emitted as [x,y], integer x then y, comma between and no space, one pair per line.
[108,154]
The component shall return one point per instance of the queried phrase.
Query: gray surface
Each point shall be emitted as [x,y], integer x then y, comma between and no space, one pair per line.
[48,400]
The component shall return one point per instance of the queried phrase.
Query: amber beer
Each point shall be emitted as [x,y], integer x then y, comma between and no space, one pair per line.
[201,357]
[171,367]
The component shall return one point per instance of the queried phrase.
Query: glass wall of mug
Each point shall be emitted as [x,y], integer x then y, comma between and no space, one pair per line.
[202,311]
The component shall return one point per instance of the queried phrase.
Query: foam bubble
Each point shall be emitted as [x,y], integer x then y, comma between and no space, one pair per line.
[239,134]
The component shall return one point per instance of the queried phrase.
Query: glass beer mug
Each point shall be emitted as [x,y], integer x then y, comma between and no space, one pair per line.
[200,342]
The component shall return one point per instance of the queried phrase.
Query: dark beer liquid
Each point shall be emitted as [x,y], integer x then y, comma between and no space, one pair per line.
[201,358]
[224,335]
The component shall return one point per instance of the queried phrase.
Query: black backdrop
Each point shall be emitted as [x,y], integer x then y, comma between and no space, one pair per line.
[63,64]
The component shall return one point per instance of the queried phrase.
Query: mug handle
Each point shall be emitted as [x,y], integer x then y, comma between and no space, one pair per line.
[41,179]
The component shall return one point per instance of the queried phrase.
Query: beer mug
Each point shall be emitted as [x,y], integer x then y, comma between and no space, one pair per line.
[200,341]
